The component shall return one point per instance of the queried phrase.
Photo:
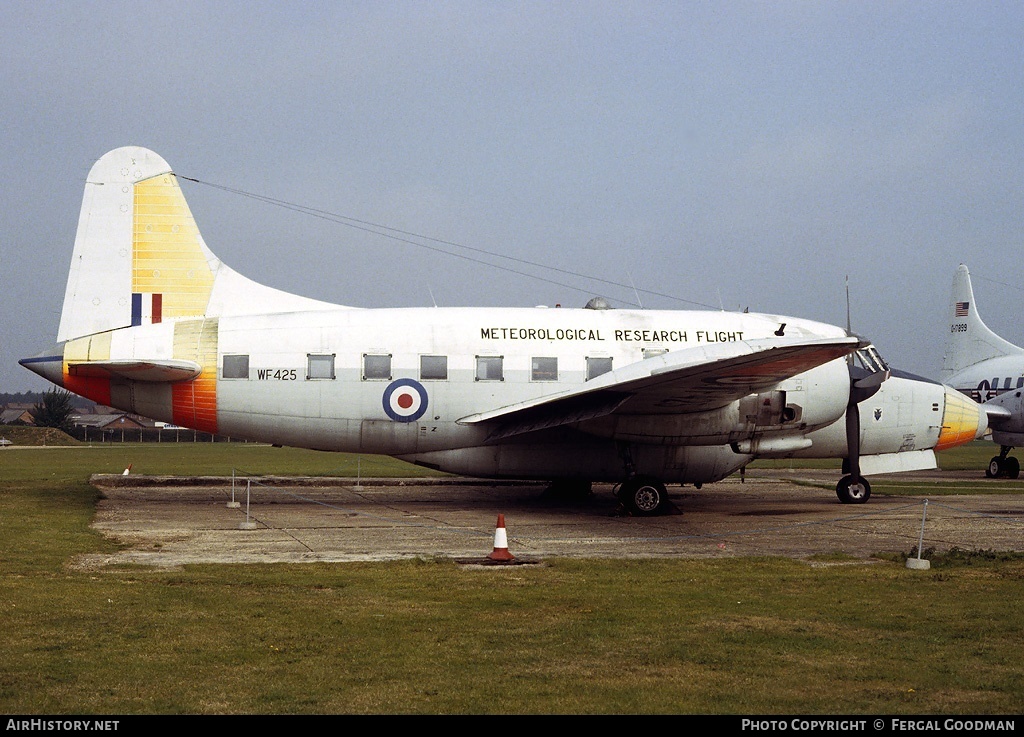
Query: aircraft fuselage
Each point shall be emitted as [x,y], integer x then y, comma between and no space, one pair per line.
[398,381]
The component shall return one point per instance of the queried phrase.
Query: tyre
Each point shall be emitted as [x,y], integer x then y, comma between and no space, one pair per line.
[644,497]
[853,493]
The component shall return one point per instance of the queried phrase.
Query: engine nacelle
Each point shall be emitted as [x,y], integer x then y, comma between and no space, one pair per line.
[808,401]
[907,413]
[1008,430]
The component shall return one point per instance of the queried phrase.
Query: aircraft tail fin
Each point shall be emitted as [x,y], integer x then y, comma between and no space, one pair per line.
[970,340]
[139,257]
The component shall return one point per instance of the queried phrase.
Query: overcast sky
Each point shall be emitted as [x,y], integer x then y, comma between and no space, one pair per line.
[725,154]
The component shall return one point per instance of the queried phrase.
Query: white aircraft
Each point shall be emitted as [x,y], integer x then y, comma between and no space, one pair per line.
[988,369]
[154,323]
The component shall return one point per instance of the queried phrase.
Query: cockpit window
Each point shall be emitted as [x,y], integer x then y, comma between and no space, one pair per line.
[872,360]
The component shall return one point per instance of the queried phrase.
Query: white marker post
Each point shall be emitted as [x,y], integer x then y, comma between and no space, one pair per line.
[233,504]
[916,563]
[247,525]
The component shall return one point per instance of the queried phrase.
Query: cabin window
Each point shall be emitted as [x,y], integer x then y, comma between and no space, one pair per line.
[319,366]
[652,352]
[544,369]
[597,366]
[236,366]
[434,367]
[490,368]
[376,366]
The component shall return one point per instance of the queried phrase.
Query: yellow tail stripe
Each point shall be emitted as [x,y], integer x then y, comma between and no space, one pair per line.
[167,255]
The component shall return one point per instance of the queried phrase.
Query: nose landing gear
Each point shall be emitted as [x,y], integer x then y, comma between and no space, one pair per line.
[853,489]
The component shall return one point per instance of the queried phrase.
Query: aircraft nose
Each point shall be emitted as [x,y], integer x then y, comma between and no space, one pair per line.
[963,420]
[48,364]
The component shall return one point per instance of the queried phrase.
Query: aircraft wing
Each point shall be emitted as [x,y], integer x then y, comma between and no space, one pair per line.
[680,382]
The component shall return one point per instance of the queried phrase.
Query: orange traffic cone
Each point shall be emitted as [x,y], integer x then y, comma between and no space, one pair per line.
[500,552]
[127,470]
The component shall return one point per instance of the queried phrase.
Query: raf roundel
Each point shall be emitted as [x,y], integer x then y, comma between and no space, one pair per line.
[405,400]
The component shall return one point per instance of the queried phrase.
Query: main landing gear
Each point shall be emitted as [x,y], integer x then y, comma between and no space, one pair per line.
[1003,464]
[641,496]
[644,496]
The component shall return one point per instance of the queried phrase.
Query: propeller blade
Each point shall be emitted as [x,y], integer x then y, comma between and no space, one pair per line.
[853,437]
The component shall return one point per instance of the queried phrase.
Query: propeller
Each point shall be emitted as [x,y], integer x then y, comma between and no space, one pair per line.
[854,488]
[864,382]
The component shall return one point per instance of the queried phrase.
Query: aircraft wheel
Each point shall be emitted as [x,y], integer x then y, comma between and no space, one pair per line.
[995,468]
[850,492]
[644,497]
[1011,468]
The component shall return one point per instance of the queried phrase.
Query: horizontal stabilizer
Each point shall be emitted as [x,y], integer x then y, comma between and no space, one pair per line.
[168,371]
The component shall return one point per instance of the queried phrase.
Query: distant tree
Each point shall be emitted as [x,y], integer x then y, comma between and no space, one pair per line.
[20,397]
[8,398]
[54,410]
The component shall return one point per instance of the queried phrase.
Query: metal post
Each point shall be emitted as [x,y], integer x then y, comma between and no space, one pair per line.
[918,564]
[920,539]
[233,504]
[247,525]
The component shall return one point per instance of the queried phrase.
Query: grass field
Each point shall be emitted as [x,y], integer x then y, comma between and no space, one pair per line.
[739,636]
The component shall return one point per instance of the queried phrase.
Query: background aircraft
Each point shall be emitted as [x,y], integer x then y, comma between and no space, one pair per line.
[154,323]
[988,369]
